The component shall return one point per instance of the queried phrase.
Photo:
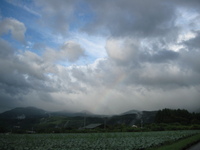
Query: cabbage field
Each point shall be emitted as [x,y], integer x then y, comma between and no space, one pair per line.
[95,141]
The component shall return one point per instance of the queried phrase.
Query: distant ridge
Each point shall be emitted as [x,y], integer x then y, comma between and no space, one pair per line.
[27,118]
[26,111]
[198,110]
[72,114]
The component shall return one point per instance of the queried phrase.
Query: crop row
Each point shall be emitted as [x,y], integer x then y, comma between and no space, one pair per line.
[85,141]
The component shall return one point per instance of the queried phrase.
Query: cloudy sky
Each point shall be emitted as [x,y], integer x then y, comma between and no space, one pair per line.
[104,56]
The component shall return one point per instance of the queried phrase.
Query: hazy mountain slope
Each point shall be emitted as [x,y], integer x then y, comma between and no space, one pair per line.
[29,117]
[27,112]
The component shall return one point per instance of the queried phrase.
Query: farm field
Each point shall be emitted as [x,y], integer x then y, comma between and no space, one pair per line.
[85,141]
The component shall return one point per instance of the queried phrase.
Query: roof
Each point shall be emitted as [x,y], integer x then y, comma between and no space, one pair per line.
[92,126]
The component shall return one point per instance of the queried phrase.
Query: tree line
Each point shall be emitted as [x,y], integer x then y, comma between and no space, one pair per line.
[180,116]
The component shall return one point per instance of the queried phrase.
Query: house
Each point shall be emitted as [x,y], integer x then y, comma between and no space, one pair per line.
[134,126]
[94,126]
[16,127]
[30,132]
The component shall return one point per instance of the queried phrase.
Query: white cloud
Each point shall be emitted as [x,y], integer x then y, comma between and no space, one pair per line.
[122,49]
[69,51]
[73,50]
[14,26]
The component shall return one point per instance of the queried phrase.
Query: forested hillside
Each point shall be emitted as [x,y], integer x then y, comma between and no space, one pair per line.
[181,116]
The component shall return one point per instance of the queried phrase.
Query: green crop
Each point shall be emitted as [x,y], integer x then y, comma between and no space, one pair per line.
[96,141]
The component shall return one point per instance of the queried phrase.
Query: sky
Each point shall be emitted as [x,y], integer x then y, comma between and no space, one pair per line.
[106,57]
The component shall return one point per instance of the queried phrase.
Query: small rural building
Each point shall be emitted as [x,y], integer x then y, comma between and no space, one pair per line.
[134,126]
[30,132]
[94,126]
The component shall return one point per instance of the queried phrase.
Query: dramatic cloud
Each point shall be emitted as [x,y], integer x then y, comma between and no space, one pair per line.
[104,56]
[128,18]
[137,18]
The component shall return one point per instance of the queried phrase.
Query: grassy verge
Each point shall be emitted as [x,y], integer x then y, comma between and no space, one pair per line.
[181,144]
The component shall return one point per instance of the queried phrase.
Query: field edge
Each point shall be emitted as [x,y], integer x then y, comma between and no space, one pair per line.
[182,144]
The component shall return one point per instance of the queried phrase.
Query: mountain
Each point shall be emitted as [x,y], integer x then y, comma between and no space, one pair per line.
[133,117]
[26,118]
[197,110]
[21,118]
[29,118]
[23,112]
[72,114]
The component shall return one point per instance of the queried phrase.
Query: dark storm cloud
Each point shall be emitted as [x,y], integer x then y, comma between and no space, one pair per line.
[155,18]
[161,56]
[188,4]
[190,62]
[10,79]
[8,101]
[24,78]
[12,82]
[133,18]
[137,18]
[118,18]
[19,75]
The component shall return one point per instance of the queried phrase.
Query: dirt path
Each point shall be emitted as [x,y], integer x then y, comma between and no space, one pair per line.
[195,147]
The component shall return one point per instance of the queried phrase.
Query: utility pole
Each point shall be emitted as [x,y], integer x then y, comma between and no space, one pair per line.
[104,123]
[84,120]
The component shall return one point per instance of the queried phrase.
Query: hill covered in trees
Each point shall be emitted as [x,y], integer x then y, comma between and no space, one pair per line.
[21,120]
[181,116]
